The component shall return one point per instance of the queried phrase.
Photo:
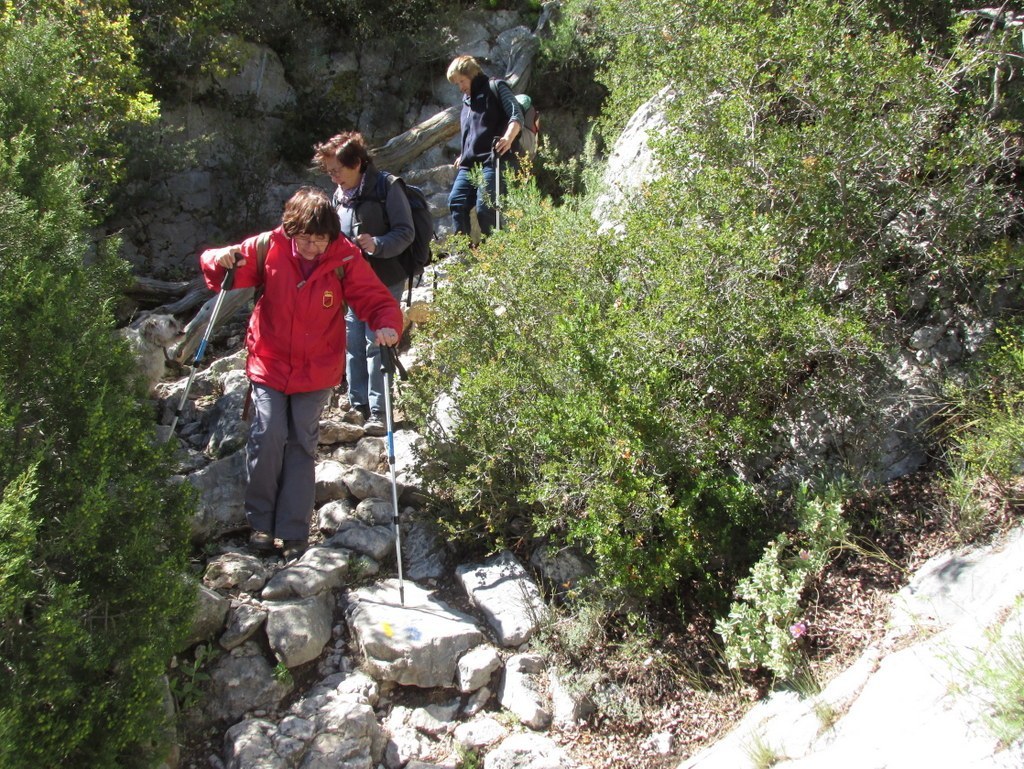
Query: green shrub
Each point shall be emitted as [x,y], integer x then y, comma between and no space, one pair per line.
[764,626]
[604,402]
[998,675]
[93,535]
[643,395]
[985,422]
[69,91]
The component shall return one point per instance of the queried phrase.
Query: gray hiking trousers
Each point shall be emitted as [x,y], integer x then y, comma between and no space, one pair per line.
[281,461]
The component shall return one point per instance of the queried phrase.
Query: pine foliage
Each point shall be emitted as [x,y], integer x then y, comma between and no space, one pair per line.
[92,533]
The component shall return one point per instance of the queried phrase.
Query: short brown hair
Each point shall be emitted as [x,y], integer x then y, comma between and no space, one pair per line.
[466,66]
[348,148]
[309,212]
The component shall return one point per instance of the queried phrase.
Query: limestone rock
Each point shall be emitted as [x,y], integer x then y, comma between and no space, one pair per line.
[521,688]
[319,569]
[528,751]
[506,595]
[299,630]
[330,481]
[242,681]
[476,667]
[417,644]
[235,570]
[244,620]
[208,621]
[221,487]
[377,542]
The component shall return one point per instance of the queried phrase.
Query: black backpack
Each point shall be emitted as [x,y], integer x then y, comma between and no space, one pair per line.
[418,254]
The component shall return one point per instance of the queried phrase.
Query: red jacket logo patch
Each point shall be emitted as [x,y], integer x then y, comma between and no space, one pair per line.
[328,299]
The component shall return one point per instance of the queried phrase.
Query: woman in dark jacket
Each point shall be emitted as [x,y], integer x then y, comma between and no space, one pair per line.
[491,123]
[382,231]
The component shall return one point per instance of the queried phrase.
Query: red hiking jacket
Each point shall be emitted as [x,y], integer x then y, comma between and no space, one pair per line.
[296,337]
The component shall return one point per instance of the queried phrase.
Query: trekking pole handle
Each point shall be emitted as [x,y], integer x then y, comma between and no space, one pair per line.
[229,276]
[389,362]
[225,285]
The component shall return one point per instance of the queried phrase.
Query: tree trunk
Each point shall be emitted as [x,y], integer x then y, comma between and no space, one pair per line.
[196,328]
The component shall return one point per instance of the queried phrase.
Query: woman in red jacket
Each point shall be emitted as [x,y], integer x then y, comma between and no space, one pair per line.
[296,345]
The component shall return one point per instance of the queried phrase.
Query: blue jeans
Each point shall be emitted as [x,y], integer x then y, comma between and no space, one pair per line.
[362,360]
[465,195]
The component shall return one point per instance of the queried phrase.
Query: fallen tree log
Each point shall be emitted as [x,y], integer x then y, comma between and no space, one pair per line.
[151,290]
[233,301]
[171,297]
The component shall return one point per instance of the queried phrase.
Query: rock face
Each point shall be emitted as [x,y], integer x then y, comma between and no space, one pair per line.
[632,162]
[232,124]
[906,702]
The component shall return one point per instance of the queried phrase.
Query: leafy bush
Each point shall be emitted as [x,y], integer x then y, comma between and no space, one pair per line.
[601,401]
[643,395]
[69,90]
[985,421]
[92,535]
[764,628]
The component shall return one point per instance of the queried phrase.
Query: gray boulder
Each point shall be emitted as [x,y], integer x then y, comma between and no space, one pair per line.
[235,570]
[521,691]
[242,681]
[208,621]
[377,542]
[418,643]
[528,751]
[319,569]
[507,596]
[244,620]
[299,630]
[221,487]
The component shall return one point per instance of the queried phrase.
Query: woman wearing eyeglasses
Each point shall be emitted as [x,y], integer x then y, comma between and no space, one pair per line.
[296,345]
[374,213]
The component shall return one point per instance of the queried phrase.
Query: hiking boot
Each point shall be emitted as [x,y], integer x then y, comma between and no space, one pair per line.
[375,426]
[261,542]
[293,548]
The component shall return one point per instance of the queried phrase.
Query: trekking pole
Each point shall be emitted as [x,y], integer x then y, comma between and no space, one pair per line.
[497,187]
[225,286]
[388,363]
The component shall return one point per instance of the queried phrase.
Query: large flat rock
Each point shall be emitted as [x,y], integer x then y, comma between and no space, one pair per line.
[418,643]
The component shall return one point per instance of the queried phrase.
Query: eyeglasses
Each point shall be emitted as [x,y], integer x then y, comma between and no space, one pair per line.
[307,240]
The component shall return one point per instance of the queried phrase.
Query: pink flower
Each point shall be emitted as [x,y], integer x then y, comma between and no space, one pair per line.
[805,555]
[798,629]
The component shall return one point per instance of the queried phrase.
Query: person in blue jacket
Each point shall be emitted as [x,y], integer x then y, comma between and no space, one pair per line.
[490,124]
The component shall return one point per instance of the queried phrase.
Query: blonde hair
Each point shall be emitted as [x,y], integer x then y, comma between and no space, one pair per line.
[466,66]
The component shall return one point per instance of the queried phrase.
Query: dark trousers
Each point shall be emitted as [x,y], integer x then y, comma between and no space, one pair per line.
[281,461]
